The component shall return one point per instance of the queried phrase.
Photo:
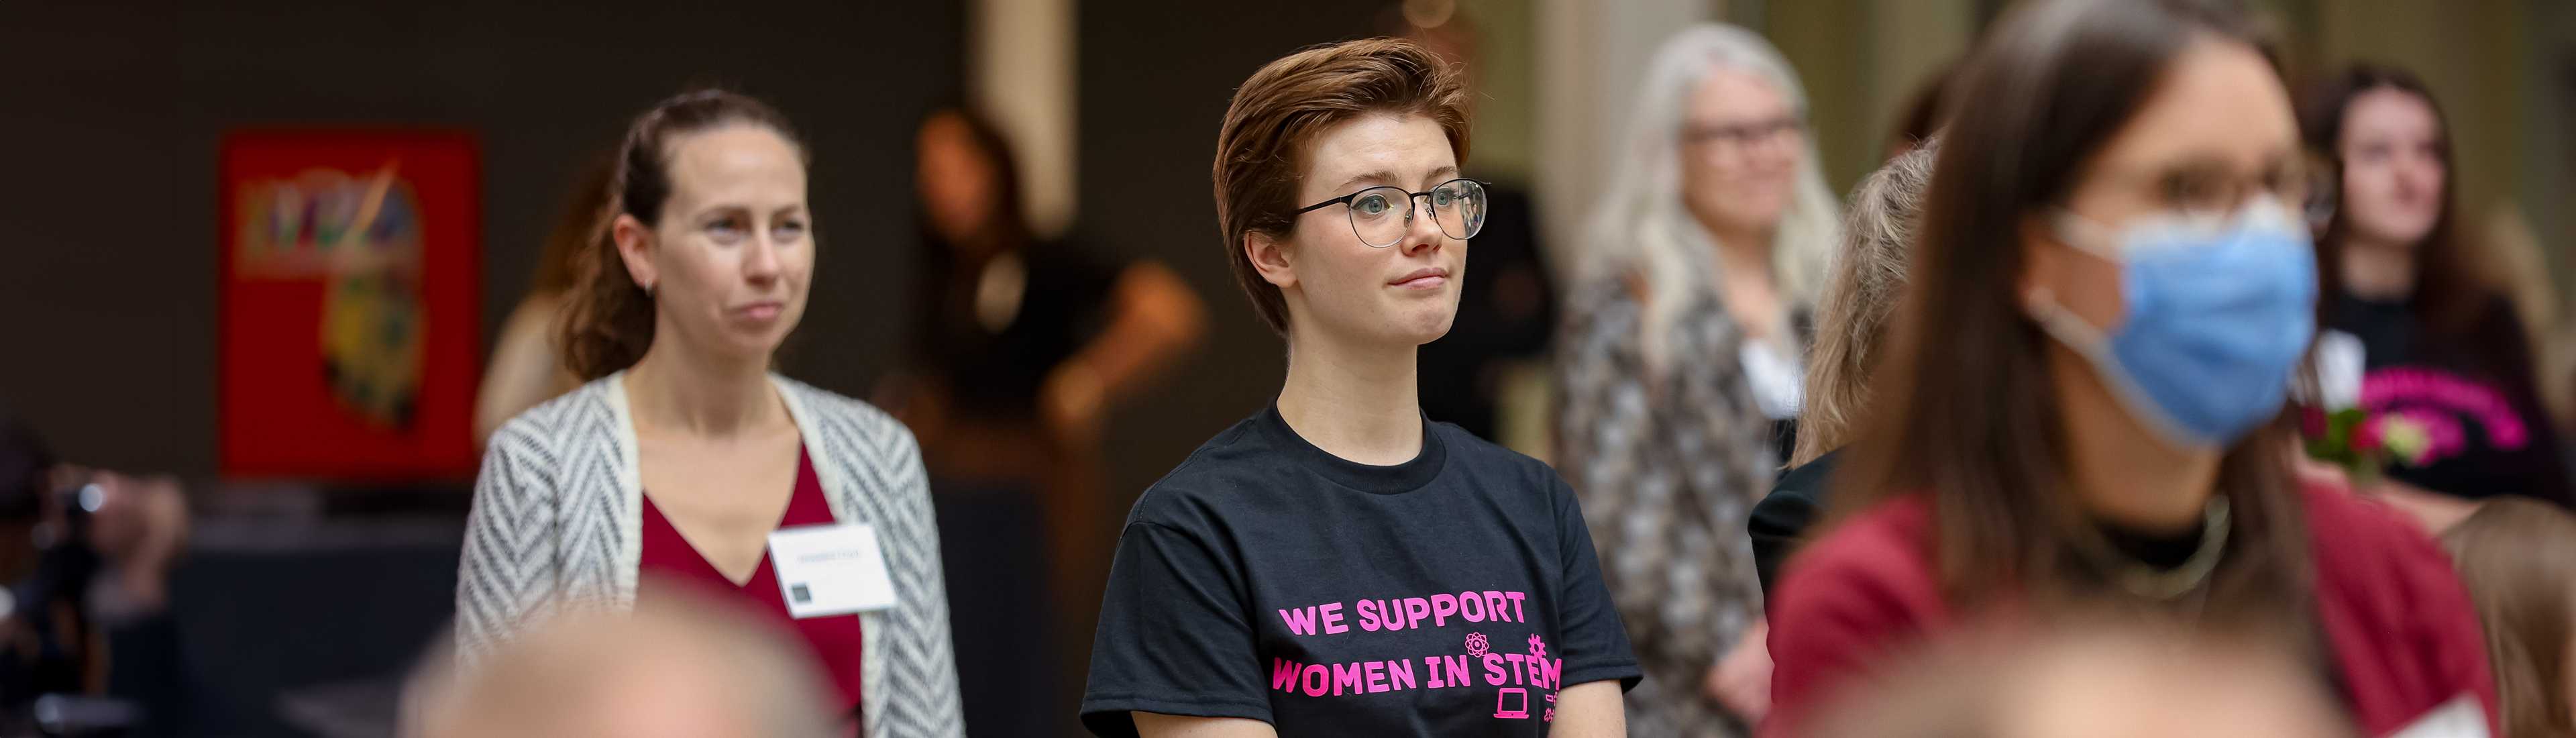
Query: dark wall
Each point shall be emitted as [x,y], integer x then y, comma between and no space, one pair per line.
[107,284]
[1156,78]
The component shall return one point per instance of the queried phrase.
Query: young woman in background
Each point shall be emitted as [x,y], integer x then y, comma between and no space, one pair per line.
[2398,268]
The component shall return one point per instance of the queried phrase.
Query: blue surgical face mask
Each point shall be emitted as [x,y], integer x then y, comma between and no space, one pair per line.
[2217,317]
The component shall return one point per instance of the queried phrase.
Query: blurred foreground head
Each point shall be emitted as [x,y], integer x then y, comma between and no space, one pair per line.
[2103,679]
[2518,557]
[670,669]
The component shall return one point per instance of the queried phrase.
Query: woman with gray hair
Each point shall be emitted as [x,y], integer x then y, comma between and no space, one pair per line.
[1851,322]
[1680,358]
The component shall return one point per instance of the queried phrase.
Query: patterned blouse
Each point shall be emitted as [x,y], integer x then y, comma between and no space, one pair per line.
[1666,464]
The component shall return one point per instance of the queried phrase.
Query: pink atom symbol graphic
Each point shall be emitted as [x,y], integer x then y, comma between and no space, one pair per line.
[1538,647]
[1477,646]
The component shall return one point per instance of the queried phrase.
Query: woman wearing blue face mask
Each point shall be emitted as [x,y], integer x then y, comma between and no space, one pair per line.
[2083,404]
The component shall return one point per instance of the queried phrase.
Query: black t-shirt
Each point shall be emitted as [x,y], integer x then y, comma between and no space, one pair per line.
[997,371]
[1779,522]
[1268,579]
[2473,393]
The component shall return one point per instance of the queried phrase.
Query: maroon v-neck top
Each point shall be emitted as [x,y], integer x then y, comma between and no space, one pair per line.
[671,561]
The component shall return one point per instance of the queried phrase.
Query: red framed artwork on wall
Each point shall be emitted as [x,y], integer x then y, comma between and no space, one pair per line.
[350,288]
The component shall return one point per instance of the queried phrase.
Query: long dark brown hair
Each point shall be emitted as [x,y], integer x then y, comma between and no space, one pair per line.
[1006,222]
[608,323]
[2450,294]
[1965,415]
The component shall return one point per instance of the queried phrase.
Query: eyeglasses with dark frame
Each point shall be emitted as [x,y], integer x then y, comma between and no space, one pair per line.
[1457,205]
[1735,139]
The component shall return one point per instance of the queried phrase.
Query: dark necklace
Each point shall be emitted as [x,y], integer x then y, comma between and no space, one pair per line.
[2164,584]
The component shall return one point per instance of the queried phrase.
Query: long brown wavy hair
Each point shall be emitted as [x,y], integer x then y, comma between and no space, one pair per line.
[608,322]
[2454,289]
[1964,414]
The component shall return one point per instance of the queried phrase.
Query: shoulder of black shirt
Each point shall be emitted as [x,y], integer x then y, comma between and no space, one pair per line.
[1189,489]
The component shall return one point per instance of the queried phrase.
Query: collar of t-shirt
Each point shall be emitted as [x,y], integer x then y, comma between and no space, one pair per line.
[1384,480]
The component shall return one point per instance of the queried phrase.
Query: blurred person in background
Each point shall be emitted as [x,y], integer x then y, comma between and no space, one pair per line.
[2518,557]
[2439,341]
[2095,677]
[88,555]
[683,453]
[1679,368]
[1507,313]
[1851,328]
[712,670]
[527,367]
[1021,343]
[2084,399]
[1020,349]
[1291,574]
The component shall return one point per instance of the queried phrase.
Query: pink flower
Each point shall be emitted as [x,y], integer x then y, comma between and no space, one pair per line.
[2365,436]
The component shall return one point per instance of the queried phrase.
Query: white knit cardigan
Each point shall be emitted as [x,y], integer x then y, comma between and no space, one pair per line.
[557,512]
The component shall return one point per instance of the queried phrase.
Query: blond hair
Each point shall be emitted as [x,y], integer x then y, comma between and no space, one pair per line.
[1641,228]
[1860,291]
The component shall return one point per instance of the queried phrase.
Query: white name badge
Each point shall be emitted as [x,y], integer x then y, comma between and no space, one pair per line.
[828,570]
[2462,717]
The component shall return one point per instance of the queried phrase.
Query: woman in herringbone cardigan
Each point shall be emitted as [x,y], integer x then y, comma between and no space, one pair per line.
[671,468]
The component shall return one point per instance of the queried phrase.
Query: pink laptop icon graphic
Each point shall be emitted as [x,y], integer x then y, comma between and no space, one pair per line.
[1512,704]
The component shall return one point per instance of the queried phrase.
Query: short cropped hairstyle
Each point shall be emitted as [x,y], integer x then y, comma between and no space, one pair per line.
[1262,146]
